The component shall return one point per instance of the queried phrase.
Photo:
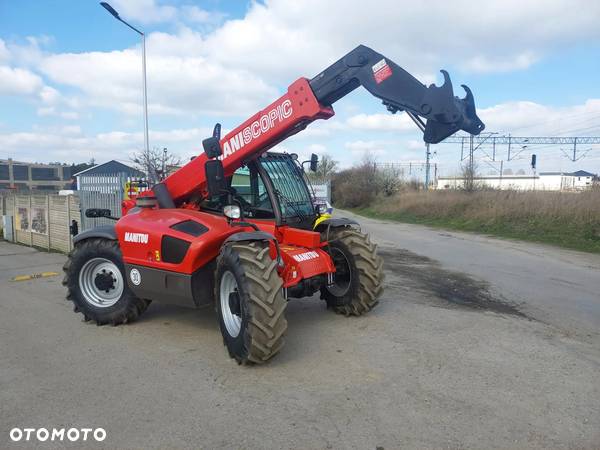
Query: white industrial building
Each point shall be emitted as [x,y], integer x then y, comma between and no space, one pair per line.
[544,181]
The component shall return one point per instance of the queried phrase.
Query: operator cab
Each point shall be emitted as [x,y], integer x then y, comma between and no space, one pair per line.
[272,187]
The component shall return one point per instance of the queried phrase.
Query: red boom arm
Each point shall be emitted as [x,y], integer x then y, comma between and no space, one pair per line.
[284,117]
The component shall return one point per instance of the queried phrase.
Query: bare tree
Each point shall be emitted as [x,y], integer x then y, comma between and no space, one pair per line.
[468,174]
[326,168]
[390,180]
[356,186]
[155,162]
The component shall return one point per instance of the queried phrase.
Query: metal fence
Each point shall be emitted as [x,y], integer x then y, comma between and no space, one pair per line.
[106,192]
[94,199]
[106,184]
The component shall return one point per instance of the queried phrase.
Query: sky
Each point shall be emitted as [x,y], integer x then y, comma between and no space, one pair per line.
[71,83]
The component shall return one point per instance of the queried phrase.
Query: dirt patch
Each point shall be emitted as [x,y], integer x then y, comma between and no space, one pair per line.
[408,270]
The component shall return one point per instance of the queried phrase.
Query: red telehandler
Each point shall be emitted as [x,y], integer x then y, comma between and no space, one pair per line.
[236,226]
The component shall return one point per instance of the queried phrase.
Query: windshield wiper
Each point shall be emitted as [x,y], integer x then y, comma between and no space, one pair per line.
[290,203]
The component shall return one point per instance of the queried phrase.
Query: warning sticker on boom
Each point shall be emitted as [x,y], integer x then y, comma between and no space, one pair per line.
[381,71]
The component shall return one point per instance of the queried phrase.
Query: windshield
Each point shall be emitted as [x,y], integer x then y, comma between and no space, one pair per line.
[288,180]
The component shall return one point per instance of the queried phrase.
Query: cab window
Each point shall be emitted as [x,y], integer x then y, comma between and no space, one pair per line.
[249,190]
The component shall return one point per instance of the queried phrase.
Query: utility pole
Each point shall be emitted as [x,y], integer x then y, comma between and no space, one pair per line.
[427,166]
[471,164]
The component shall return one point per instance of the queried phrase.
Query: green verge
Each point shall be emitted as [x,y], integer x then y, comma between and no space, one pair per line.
[582,237]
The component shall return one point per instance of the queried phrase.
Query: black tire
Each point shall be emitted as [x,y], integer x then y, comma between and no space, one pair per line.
[126,309]
[259,301]
[359,277]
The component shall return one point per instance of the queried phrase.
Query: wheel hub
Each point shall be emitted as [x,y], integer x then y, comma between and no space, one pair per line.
[231,305]
[105,281]
[343,273]
[234,303]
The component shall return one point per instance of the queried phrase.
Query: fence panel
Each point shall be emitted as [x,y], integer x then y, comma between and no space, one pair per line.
[8,208]
[59,222]
[42,220]
[39,221]
[106,184]
[23,219]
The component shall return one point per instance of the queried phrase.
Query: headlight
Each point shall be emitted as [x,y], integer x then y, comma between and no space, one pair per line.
[321,208]
[232,211]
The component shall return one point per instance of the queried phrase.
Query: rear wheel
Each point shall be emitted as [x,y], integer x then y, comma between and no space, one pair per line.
[250,302]
[358,281]
[96,284]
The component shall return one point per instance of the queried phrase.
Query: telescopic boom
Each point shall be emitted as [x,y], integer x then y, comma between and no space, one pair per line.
[435,110]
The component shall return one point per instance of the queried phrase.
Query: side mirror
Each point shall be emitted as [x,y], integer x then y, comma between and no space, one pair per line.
[314,162]
[215,177]
[97,212]
[217,131]
[212,147]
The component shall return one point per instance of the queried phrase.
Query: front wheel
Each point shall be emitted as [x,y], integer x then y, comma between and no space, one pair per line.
[358,280]
[250,303]
[96,284]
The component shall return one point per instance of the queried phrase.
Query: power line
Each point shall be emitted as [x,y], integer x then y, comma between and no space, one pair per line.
[524,142]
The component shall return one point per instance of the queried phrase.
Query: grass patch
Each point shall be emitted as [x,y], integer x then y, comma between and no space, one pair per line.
[566,219]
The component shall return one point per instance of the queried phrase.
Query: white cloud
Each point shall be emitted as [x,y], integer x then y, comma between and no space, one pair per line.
[486,64]
[198,15]
[144,11]
[49,95]
[413,144]
[153,12]
[51,111]
[176,84]
[530,118]
[70,130]
[16,81]
[4,53]
[502,34]
[361,148]
[316,148]
[69,115]
[26,52]
[71,144]
[381,122]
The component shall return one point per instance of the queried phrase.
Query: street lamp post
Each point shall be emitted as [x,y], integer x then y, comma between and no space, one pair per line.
[115,14]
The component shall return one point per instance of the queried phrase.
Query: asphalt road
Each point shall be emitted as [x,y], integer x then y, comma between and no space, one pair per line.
[451,358]
[551,284]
